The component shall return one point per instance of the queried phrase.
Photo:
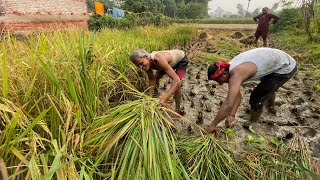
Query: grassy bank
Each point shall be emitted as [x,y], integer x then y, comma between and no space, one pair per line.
[307,53]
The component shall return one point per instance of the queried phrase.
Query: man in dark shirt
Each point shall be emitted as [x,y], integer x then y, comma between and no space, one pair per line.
[263,21]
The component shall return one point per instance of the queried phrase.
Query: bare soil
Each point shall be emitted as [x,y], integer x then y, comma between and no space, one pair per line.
[297,107]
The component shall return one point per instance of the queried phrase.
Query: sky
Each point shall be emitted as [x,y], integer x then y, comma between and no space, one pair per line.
[231,5]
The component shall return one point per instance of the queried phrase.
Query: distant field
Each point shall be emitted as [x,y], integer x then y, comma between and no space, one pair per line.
[228,26]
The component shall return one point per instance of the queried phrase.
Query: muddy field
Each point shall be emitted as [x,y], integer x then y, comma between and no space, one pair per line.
[297,107]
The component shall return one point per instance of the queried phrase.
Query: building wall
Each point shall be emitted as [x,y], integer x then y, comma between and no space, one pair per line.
[29,15]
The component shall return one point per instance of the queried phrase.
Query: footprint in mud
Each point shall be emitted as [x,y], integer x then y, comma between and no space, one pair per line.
[287,137]
[298,101]
[199,118]
[190,129]
[237,35]
[208,108]
[311,133]
[315,148]
[192,104]
[198,76]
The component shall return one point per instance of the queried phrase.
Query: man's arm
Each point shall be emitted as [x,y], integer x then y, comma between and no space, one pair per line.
[163,64]
[236,105]
[152,82]
[256,18]
[230,103]
[275,18]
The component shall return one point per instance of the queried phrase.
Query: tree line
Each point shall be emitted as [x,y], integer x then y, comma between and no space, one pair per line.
[182,9]
[242,11]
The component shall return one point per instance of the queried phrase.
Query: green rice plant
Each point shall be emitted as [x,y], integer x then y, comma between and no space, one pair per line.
[57,84]
[3,170]
[298,160]
[206,157]
[135,141]
[283,162]
[20,139]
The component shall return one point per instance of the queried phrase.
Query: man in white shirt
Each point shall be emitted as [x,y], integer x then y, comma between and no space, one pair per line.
[272,66]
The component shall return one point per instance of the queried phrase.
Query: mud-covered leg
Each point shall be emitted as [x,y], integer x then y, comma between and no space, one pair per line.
[254,115]
[265,44]
[159,74]
[177,99]
[270,104]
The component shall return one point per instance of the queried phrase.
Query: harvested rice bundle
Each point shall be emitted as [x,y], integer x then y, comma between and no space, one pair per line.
[205,157]
[136,141]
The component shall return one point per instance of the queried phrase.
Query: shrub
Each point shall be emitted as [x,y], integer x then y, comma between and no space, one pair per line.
[290,19]
[99,22]
[148,18]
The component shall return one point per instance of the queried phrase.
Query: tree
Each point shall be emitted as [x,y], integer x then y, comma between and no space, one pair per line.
[274,7]
[192,9]
[248,6]
[196,10]
[181,10]
[170,8]
[307,7]
[218,12]
[241,11]
[255,13]
[90,6]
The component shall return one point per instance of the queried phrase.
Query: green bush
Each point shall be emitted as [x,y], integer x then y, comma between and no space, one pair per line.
[148,18]
[131,19]
[289,19]
[99,22]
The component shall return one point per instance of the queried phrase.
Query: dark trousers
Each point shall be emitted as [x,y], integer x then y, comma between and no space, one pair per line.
[266,88]
[179,68]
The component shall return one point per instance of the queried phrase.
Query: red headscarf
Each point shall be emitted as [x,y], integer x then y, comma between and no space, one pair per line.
[222,65]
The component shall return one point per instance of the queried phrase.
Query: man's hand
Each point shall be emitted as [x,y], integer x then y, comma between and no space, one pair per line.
[162,99]
[214,130]
[163,102]
[230,121]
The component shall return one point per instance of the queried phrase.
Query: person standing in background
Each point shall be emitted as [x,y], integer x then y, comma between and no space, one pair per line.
[263,21]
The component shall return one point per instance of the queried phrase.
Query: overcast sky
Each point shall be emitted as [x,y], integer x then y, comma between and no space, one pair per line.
[231,5]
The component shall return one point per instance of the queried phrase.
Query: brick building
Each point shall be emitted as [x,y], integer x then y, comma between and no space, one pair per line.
[29,15]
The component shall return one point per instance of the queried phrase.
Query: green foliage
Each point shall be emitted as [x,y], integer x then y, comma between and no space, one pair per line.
[131,20]
[299,46]
[183,38]
[206,157]
[138,6]
[290,19]
[194,10]
[100,22]
[136,141]
[156,19]
[171,8]
[315,24]
[59,83]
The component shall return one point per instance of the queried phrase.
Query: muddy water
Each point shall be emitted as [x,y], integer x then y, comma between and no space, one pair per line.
[297,109]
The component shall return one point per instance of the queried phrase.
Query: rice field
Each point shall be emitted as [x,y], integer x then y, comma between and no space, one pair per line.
[74,107]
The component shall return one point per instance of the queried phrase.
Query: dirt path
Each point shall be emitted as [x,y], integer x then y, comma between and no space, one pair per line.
[298,110]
